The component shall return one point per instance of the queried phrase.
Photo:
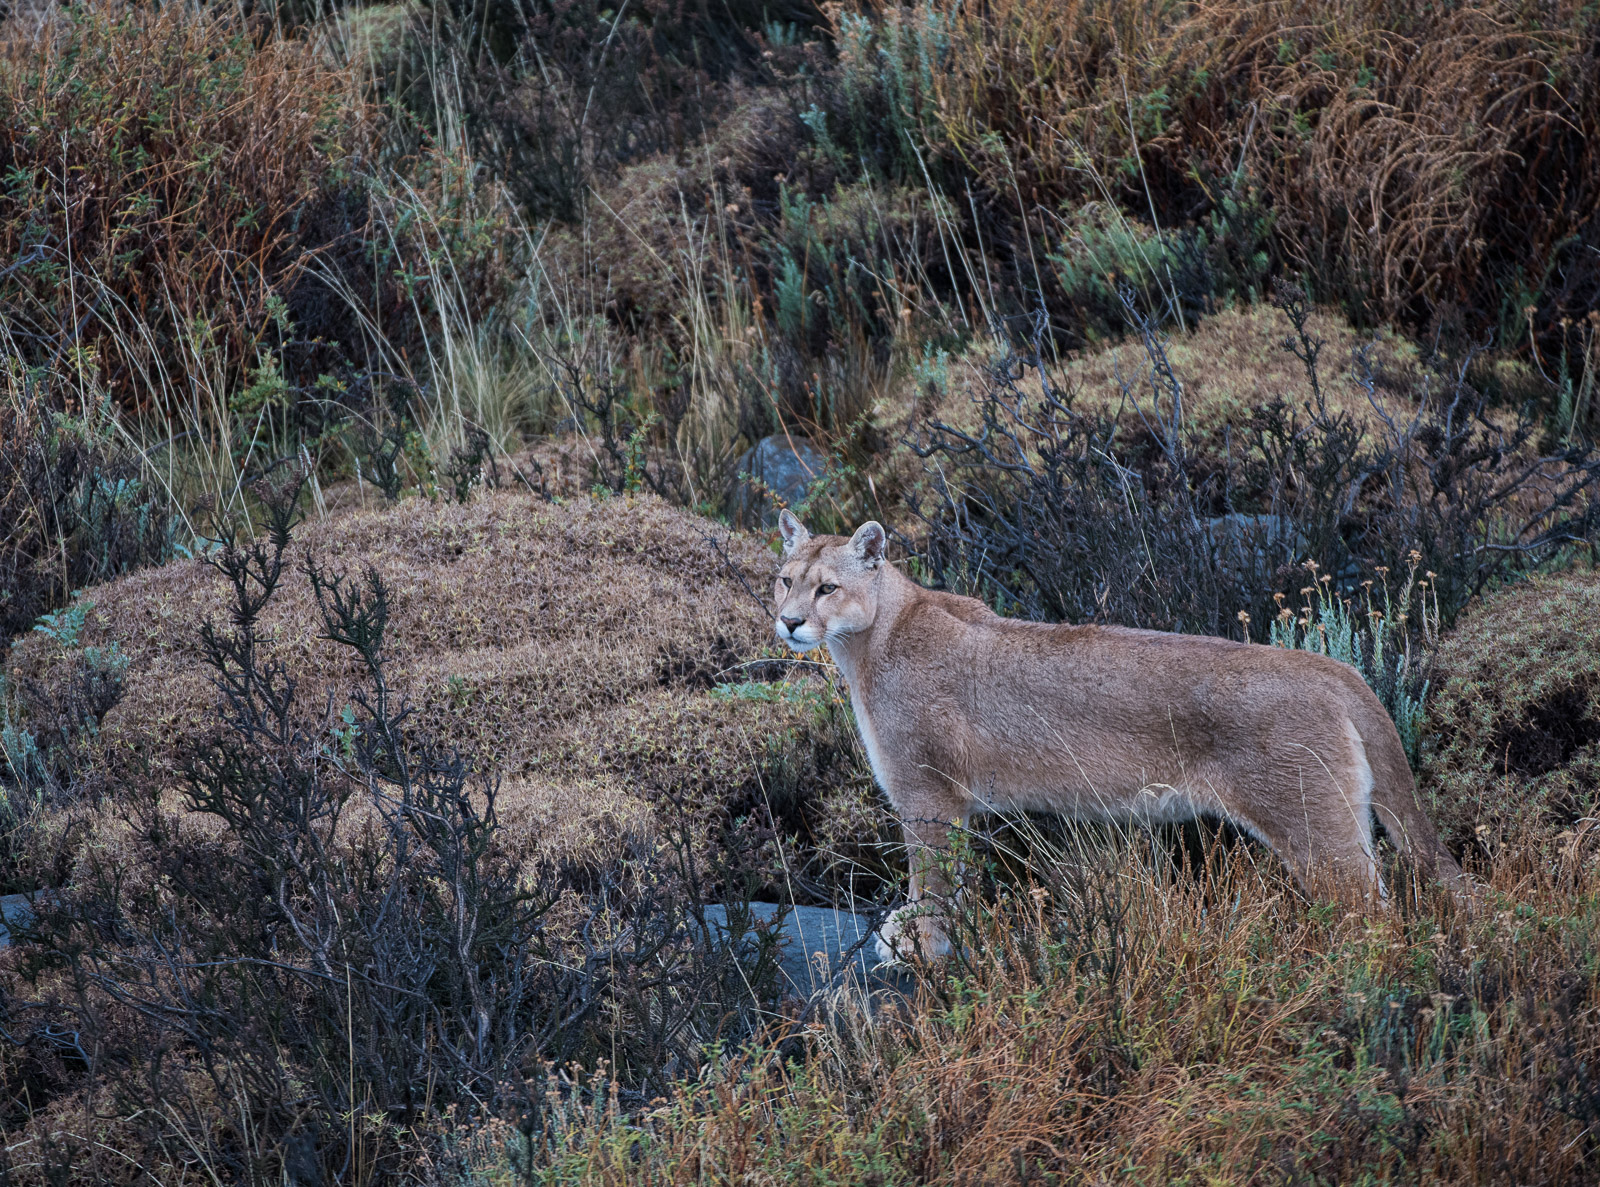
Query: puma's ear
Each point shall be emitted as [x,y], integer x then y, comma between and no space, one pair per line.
[793,531]
[869,543]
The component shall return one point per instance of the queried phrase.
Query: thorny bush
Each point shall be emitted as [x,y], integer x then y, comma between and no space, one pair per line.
[1132,516]
[335,945]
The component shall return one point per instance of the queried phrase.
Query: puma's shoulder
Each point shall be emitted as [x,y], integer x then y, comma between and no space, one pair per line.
[963,609]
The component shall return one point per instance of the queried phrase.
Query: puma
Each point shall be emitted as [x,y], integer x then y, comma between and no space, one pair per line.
[962,711]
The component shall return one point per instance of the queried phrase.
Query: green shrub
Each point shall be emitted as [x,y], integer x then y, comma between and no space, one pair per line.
[1189,271]
[75,505]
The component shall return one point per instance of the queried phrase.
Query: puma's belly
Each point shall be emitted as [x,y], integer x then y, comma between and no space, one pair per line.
[1147,800]
[1016,763]
[1101,774]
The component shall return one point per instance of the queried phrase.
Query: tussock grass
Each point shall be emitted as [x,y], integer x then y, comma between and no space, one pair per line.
[1112,1025]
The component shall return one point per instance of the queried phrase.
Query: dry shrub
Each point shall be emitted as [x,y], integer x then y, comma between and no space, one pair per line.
[1230,363]
[761,269]
[559,97]
[1457,171]
[1412,157]
[209,219]
[574,651]
[577,90]
[1514,718]
[169,173]
[757,276]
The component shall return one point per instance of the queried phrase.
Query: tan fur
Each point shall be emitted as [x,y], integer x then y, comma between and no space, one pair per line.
[962,710]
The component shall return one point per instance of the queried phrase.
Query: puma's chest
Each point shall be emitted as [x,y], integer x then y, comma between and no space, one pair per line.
[870,741]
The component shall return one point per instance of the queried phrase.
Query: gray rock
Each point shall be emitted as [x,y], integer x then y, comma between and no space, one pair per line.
[1240,542]
[815,949]
[786,465]
[14,912]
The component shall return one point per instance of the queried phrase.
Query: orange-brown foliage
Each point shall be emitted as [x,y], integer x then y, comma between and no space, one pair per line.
[1219,1032]
[1413,156]
[167,171]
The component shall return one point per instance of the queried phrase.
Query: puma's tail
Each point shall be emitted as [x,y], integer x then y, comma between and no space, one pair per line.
[1394,796]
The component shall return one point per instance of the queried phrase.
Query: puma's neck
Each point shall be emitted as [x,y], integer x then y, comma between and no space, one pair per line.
[856,653]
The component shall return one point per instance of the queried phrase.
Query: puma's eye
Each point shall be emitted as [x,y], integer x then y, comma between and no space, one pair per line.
[786,582]
[824,590]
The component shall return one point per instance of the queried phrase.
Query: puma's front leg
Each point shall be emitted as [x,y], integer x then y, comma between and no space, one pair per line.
[915,929]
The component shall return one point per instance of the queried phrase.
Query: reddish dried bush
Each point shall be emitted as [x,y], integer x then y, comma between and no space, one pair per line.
[169,173]
[1411,158]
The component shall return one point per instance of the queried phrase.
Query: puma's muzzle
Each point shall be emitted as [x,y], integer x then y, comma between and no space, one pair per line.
[798,634]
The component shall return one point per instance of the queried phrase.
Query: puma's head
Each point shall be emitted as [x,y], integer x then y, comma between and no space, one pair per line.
[827,586]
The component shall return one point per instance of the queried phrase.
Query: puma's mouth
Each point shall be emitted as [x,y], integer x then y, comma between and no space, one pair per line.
[799,640]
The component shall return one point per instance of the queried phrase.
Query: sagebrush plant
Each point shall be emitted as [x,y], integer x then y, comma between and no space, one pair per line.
[49,752]
[1575,403]
[1190,271]
[1380,637]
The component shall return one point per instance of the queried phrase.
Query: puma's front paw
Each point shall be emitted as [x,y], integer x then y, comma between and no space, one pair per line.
[910,931]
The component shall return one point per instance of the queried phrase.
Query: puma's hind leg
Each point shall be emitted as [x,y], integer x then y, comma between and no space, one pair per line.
[1320,824]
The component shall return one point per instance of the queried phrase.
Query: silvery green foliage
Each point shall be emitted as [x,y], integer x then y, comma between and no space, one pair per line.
[1390,657]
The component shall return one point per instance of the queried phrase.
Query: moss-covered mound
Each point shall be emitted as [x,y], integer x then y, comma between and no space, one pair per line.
[1513,727]
[600,658]
[1229,363]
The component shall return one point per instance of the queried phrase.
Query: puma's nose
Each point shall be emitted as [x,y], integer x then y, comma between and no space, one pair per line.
[793,624]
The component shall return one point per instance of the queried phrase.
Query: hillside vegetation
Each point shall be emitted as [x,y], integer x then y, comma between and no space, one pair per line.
[388,685]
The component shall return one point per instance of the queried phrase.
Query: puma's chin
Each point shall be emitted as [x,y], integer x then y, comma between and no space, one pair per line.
[801,640]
